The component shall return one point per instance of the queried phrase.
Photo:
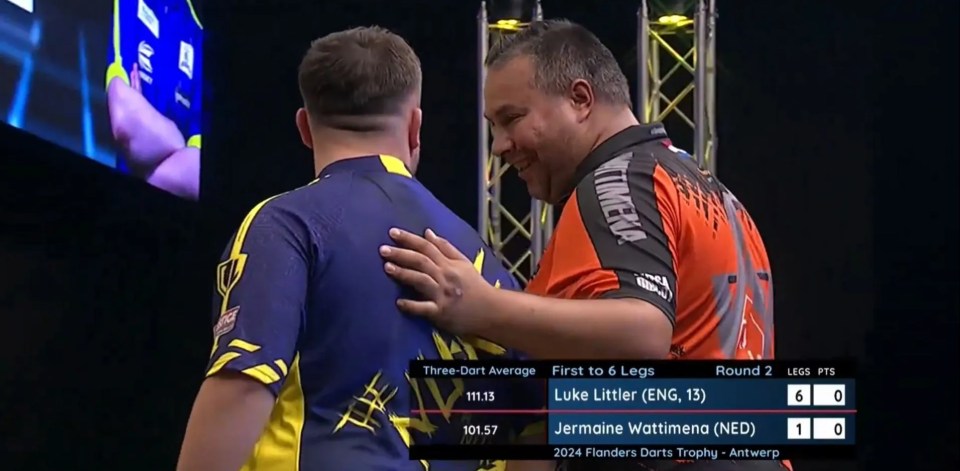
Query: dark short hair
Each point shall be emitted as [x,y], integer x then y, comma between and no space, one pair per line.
[563,51]
[352,79]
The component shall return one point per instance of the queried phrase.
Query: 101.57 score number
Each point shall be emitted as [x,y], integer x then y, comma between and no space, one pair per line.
[488,430]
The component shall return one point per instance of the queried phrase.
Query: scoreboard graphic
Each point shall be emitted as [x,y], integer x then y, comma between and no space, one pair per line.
[683,410]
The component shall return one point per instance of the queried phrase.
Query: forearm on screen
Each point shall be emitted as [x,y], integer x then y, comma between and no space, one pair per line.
[152,140]
[145,136]
[227,419]
[574,329]
[179,173]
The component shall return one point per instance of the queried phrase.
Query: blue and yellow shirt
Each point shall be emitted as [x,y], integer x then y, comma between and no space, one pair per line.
[304,307]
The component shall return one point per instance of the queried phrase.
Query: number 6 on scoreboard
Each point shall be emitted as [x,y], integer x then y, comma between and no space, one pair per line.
[798,394]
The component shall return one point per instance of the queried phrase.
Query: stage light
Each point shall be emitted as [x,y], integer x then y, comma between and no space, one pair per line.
[672,12]
[510,15]
[673,20]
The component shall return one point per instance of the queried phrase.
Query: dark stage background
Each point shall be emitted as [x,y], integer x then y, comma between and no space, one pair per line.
[837,129]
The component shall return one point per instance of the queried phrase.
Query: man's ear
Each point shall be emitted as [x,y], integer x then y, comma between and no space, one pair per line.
[416,122]
[581,98]
[303,127]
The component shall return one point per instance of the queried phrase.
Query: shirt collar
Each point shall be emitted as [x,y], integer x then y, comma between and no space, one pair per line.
[613,146]
[367,163]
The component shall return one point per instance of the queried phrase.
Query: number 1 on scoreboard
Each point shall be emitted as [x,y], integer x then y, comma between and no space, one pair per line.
[798,429]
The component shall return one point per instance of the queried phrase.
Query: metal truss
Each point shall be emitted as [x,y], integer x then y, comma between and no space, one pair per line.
[676,73]
[516,231]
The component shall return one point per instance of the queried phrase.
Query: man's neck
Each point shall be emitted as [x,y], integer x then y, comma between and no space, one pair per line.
[609,122]
[329,150]
[617,121]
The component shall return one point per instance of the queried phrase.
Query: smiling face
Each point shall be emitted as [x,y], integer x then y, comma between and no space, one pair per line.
[552,92]
[534,132]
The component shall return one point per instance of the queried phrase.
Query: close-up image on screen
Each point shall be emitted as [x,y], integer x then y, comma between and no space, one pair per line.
[116,81]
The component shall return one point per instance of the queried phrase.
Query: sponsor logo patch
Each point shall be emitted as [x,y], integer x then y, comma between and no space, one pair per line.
[186,59]
[226,322]
[144,55]
[656,284]
[148,18]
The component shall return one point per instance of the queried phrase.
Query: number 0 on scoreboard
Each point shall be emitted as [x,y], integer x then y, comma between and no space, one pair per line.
[829,394]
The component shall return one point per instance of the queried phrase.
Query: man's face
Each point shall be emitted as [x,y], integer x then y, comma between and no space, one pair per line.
[534,132]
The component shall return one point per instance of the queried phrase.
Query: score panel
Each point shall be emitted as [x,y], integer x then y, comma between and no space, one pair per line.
[734,410]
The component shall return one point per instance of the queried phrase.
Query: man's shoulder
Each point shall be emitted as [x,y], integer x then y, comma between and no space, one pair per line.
[330,185]
[645,172]
[632,176]
[319,211]
[628,167]
[364,195]
[321,194]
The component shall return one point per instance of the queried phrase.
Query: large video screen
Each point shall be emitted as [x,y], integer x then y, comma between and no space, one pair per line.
[116,81]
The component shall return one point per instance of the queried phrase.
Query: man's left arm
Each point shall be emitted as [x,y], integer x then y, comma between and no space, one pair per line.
[258,307]
[615,257]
